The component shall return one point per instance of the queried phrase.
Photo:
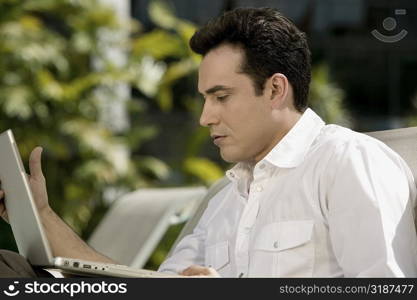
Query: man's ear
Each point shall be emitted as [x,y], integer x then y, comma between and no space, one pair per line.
[279,85]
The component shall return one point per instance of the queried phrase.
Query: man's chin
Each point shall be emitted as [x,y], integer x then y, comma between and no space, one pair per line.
[229,157]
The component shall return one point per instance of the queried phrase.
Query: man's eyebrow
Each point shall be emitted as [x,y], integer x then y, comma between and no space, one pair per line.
[217,88]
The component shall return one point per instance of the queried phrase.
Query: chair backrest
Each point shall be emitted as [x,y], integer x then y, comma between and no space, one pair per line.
[135,223]
[403,141]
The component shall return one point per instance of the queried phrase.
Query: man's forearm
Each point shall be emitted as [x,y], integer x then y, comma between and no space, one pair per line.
[65,242]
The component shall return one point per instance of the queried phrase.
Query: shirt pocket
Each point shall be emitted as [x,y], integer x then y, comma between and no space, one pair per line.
[217,255]
[285,249]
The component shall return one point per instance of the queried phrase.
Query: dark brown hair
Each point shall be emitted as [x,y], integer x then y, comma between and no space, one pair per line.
[271,44]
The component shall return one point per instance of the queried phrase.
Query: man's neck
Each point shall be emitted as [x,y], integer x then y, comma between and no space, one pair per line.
[285,124]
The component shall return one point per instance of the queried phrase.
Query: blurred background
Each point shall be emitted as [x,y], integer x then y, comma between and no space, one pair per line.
[109,89]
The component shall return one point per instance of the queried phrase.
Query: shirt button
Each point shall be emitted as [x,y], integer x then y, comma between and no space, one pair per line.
[259,188]
[262,166]
[276,244]
[247,229]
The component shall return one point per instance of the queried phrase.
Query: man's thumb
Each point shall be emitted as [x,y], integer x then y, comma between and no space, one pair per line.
[35,165]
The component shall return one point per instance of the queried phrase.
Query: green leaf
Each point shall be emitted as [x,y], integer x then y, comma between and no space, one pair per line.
[159,44]
[204,169]
[165,98]
[326,98]
[153,165]
[179,70]
[161,14]
[16,103]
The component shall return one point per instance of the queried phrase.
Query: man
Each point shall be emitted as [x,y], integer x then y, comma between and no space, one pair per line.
[305,199]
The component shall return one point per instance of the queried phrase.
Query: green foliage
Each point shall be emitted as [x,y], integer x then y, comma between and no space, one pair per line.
[204,169]
[411,119]
[164,246]
[165,55]
[326,98]
[53,72]
[168,43]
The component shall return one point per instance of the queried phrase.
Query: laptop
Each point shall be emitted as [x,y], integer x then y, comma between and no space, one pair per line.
[27,227]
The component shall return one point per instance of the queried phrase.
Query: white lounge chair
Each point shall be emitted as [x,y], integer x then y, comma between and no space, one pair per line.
[135,223]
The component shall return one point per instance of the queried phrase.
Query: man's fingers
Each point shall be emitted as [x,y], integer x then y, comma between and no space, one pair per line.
[192,271]
[2,209]
[3,212]
[35,165]
[196,270]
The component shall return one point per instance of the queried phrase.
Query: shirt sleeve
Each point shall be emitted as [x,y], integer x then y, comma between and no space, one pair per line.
[189,251]
[370,200]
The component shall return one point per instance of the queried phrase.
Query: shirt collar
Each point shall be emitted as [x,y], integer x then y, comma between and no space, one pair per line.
[240,170]
[292,149]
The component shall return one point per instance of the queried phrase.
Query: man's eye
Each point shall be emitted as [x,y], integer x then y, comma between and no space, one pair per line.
[222,97]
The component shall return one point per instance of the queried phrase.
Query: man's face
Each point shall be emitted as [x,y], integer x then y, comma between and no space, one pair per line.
[240,122]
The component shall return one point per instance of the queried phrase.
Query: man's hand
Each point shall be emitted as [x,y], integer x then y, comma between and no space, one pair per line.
[3,212]
[37,184]
[195,270]
[62,239]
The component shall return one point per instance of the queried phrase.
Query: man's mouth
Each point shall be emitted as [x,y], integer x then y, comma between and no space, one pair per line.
[217,139]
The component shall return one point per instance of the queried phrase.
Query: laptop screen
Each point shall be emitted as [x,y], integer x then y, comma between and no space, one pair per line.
[21,209]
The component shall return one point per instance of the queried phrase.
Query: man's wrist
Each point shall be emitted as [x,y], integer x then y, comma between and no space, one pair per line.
[46,212]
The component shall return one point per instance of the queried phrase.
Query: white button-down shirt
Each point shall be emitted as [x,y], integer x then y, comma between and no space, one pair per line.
[325,202]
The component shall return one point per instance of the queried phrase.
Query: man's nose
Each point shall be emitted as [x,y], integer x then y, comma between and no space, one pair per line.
[208,115]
